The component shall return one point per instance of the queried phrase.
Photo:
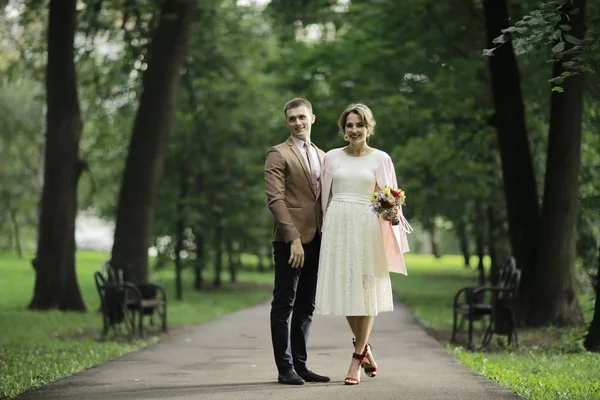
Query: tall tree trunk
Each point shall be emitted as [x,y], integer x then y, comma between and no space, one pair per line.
[145,159]
[199,178]
[181,211]
[72,299]
[463,238]
[178,266]
[260,267]
[480,240]
[554,300]
[218,251]
[517,167]
[498,247]
[55,281]
[200,259]
[430,228]
[232,260]
[592,340]
[16,231]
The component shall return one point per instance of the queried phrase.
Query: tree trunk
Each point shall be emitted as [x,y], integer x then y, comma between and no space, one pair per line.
[218,251]
[55,281]
[261,262]
[464,242]
[592,340]
[199,180]
[145,159]
[200,258]
[479,240]
[554,299]
[232,260]
[178,249]
[16,231]
[72,299]
[430,228]
[498,247]
[517,168]
[180,225]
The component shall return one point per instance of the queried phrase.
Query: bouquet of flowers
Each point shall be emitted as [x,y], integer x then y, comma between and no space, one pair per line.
[387,201]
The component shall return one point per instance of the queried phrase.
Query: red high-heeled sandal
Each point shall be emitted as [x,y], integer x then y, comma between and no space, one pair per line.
[370,370]
[355,381]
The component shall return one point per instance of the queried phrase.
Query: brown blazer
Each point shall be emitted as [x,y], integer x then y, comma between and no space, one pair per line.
[291,197]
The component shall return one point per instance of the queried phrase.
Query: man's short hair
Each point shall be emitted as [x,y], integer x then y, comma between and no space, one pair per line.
[297,102]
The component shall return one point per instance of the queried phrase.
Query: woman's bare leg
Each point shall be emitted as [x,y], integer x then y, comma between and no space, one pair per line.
[362,331]
[352,322]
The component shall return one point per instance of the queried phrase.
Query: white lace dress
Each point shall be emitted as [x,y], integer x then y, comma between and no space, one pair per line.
[353,277]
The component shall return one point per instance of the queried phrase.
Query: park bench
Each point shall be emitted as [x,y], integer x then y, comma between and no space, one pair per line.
[124,304]
[491,303]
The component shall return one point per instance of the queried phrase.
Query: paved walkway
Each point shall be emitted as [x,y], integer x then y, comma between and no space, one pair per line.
[231,358]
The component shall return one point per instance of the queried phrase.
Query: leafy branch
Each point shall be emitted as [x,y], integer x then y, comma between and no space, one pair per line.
[550,27]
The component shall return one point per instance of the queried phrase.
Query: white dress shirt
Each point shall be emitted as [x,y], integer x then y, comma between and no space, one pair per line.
[315,156]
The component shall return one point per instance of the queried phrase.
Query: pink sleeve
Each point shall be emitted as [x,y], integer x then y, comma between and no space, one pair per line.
[386,176]
[330,163]
[325,185]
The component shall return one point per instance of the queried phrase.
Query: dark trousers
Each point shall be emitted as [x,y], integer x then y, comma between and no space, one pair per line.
[294,294]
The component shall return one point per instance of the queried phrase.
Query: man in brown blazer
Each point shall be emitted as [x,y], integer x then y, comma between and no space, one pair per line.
[292,181]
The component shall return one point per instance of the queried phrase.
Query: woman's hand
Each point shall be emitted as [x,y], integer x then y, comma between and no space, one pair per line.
[386,217]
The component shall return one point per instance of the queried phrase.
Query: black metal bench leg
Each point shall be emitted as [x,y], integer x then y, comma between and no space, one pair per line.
[489,333]
[141,323]
[454,322]
[470,345]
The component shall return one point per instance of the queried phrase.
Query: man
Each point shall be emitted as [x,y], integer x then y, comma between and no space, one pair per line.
[292,175]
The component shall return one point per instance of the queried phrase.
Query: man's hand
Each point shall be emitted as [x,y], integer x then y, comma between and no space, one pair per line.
[296,254]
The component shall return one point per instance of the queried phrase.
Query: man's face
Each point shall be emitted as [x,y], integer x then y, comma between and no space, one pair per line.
[299,120]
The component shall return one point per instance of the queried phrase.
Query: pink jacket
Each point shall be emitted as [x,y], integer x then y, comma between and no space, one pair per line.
[394,237]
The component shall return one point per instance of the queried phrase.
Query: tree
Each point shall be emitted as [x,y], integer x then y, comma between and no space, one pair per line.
[144,165]
[554,300]
[56,282]
[520,187]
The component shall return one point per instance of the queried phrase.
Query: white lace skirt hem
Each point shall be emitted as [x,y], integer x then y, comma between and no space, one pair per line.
[353,278]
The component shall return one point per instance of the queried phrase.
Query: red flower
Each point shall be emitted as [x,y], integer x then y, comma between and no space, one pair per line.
[385,204]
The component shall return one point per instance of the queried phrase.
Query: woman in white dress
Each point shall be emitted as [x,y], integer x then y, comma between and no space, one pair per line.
[358,249]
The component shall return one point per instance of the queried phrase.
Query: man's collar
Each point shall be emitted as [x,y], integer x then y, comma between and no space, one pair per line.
[298,142]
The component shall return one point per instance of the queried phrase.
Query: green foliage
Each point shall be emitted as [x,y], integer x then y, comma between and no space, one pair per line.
[548,27]
[40,347]
[21,148]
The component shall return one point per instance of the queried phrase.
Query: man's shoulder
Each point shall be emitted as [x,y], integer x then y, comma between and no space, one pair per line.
[279,147]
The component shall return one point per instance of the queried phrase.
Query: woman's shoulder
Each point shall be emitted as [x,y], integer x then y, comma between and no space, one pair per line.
[382,155]
[334,152]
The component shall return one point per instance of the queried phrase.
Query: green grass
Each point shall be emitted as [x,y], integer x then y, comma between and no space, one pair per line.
[40,347]
[550,364]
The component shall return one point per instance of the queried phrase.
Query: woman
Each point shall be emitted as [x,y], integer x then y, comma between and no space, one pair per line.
[358,249]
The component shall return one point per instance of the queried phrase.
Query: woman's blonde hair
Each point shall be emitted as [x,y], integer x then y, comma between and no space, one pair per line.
[365,114]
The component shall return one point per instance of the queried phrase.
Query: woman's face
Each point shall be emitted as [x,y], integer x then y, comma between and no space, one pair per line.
[355,130]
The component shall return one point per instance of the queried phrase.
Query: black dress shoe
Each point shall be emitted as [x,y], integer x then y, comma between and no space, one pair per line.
[310,376]
[290,378]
